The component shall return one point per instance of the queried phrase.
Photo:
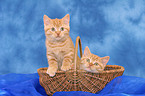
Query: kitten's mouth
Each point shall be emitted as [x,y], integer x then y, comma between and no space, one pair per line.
[58,37]
[90,67]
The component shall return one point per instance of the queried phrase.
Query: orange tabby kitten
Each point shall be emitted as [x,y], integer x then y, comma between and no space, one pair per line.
[60,48]
[93,63]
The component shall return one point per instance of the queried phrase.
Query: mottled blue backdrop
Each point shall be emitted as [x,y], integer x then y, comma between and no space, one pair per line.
[108,27]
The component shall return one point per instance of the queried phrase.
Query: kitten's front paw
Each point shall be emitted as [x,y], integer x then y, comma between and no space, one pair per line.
[50,72]
[65,67]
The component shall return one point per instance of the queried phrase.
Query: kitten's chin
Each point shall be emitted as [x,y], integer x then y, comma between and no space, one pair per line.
[58,38]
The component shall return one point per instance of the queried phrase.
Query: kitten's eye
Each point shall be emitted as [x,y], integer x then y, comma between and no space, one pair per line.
[52,29]
[95,63]
[62,29]
[88,60]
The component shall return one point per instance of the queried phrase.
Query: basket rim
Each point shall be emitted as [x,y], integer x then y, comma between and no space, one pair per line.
[119,68]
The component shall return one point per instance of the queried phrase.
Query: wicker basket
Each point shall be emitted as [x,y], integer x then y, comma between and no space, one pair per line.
[78,80]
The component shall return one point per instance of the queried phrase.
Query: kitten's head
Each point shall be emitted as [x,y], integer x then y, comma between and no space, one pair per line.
[93,63]
[56,29]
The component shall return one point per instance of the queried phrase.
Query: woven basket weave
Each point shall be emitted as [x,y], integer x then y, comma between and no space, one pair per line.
[78,80]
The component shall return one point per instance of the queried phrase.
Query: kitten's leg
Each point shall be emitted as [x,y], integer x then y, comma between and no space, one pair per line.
[67,62]
[53,66]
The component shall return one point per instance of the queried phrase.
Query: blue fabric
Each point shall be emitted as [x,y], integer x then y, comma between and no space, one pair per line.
[28,85]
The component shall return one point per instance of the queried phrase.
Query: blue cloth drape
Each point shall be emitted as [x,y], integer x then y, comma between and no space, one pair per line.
[28,85]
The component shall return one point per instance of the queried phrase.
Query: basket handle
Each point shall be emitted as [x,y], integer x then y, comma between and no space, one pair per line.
[78,40]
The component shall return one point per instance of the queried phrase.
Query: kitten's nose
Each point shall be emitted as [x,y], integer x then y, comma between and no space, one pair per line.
[58,33]
[91,64]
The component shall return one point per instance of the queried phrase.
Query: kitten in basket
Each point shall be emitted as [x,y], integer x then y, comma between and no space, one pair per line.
[93,63]
[59,45]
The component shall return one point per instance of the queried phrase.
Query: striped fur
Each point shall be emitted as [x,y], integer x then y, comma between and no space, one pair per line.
[60,48]
[93,63]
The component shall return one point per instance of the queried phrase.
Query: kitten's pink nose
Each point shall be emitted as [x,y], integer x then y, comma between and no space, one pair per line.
[58,33]
[91,64]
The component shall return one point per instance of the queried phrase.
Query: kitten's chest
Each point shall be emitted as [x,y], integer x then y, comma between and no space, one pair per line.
[59,50]
[59,54]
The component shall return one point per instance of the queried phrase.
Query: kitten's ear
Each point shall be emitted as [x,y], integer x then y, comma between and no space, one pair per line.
[105,60]
[66,19]
[46,20]
[87,52]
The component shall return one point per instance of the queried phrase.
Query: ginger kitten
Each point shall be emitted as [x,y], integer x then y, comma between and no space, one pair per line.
[93,63]
[59,45]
